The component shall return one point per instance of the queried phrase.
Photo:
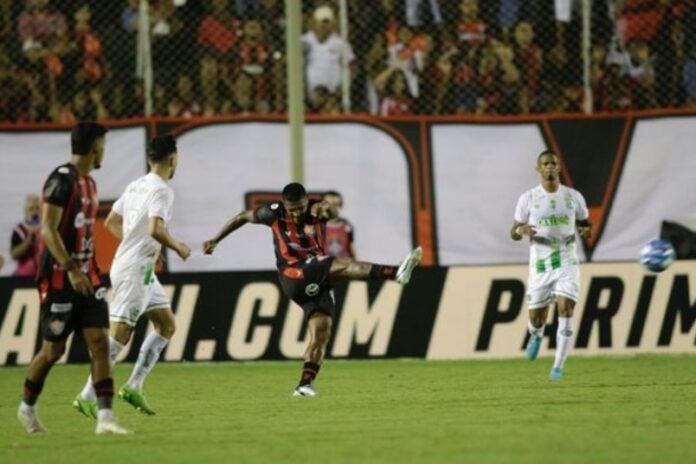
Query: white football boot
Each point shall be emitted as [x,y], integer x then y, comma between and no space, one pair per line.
[30,419]
[305,390]
[403,274]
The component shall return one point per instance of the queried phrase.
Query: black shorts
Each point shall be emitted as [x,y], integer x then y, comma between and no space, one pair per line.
[309,285]
[63,311]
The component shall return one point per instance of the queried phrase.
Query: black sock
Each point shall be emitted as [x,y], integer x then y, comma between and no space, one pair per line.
[32,390]
[105,393]
[380,272]
[309,373]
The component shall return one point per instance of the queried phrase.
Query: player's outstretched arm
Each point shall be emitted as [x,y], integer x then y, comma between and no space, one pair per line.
[158,231]
[519,230]
[114,224]
[230,226]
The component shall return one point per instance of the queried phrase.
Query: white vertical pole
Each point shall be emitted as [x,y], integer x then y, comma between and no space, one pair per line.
[588,104]
[143,64]
[295,78]
[345,65]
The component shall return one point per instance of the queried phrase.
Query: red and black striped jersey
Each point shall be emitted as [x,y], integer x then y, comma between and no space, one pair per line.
[293,242]
[77,195]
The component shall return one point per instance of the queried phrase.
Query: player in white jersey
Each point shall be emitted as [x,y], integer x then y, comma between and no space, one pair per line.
[549,215]
[139,219]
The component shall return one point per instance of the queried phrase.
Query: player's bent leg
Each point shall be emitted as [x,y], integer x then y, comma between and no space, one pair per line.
[37,372]
[86,402]
[535,326]
[347,268]
[163,320]
[564,336]
[319,325]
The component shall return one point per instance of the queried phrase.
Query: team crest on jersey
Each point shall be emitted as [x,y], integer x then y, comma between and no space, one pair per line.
[56,326]
[79,220]
[274,206]
[312,289]
[100,294]
[309,231]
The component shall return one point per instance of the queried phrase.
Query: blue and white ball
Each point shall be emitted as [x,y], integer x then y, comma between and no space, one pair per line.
[657,255]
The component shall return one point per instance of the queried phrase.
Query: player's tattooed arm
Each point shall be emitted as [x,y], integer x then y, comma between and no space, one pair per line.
[584,227]
[230,226]
[114,224]
[519,230]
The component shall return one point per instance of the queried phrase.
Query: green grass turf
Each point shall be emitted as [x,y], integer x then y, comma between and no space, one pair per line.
[607,410]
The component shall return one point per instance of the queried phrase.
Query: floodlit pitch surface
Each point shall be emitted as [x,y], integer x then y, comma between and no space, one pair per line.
[615,410]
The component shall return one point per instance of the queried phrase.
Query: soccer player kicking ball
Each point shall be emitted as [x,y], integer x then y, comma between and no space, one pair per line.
[306,273]
[139,219]
[549,215]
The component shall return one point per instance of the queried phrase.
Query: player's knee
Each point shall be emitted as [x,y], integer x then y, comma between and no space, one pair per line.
[53,353]
[166,329]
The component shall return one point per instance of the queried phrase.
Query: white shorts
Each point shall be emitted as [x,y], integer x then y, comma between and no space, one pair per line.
[132,299]
[543,288]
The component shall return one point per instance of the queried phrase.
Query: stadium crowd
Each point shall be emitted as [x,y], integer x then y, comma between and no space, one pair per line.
[64,60]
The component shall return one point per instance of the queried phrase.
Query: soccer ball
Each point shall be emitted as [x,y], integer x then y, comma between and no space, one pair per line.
[657,255]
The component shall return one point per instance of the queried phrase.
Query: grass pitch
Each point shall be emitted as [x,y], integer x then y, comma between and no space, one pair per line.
[606,410]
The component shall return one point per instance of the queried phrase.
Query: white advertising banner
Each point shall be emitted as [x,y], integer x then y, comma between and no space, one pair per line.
[29,157]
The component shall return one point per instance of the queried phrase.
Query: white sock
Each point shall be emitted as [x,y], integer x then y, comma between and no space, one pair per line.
[564,336]
[105,414]
[88,392]
[148,356]
[27,408]
[535,331]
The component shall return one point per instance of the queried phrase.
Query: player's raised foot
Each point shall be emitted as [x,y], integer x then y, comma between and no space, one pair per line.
[533,347]
[556,373]
[136,399]
[305,390]
[403,274]
[30,420]
[86,407]
[111,427]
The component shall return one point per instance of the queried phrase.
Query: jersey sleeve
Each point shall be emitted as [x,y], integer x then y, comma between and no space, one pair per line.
[581,212]
[117,207]
[58,187]
[267,214]
[522,209]
[161,204]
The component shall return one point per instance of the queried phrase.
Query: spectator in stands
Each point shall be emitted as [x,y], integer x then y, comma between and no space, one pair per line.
[247,8]
[410,53]
[323,50]
[43,32]
[497,80]
[395,97]
[641,71]
[252,57]
[211,84]
[471,29]
[185,104]
[25,239]
[614,90]
[528,59]
[219,29]
[88,45]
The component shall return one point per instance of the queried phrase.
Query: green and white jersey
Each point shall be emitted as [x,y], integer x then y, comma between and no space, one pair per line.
[553,215]
[144,198]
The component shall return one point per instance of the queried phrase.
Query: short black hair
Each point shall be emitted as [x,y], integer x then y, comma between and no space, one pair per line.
[546,152]
[83,135]
[160,148]
[294,192]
